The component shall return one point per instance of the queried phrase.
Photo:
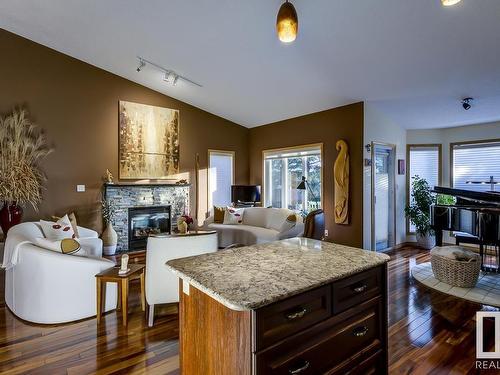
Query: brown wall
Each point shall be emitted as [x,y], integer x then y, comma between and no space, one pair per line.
[326,127]
[77,105]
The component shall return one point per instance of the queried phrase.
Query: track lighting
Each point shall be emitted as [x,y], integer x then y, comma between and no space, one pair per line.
[466,103]
[142,64]
[171,78]
[169,75]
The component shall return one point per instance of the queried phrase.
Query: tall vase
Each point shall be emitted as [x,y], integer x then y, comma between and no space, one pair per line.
[109,240]
[10,215]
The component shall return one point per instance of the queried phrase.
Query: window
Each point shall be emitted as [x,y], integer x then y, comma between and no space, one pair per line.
[220,177]
[283,172]
[423,161]
[476,166]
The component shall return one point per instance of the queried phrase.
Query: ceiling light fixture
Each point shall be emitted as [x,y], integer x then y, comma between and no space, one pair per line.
[287,23]
[142,64]
[449,3]
[169,75]
[467,103]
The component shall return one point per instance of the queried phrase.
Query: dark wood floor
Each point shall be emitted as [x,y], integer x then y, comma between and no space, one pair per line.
[430,333]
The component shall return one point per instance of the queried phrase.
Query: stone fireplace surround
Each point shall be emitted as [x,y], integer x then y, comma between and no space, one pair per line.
[126,195]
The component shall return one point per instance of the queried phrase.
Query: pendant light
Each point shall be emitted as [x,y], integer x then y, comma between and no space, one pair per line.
[449,3]
[287,23]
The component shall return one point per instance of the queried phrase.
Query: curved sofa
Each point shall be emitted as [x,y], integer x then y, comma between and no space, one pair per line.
[44,286]
[259,225]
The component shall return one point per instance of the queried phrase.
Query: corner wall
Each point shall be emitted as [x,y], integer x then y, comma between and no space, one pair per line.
[325,127]
[379,128]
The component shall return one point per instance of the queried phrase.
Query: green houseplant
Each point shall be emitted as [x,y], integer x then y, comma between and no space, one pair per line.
[418,212]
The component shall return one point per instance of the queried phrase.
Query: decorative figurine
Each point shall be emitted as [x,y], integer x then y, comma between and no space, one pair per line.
[341,183]
[124,265]
[109,177]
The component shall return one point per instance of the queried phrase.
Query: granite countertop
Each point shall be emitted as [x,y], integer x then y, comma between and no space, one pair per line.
[251,277]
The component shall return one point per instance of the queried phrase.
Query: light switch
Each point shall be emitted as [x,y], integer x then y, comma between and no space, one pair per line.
[80,188]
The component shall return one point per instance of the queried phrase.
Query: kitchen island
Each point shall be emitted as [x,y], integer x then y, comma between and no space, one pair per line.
[296,306]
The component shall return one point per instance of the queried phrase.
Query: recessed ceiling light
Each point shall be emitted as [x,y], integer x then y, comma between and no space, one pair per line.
[287,23]
[449,3]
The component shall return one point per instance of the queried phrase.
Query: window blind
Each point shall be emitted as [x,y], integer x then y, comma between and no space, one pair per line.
[424,162]
[220,178]
[475,164]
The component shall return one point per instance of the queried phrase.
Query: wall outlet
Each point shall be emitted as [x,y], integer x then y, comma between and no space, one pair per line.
[80,188]
[326,232]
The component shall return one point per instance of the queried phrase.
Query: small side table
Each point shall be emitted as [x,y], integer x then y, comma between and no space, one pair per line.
[111,275]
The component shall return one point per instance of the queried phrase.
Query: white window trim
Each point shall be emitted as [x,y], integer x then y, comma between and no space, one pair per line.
[223,153]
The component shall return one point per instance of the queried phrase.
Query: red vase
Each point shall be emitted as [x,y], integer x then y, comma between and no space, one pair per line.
[10,215]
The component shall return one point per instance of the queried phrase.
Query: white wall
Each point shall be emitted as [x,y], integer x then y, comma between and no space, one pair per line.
[446,136]
[379,128]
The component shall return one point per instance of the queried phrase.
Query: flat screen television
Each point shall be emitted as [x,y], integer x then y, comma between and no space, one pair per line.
[245,193]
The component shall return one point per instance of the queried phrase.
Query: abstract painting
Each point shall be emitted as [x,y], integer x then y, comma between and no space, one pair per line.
[149,141]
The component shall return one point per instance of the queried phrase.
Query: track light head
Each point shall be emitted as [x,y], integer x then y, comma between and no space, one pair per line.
[171,77]
[467,103]
[142,64]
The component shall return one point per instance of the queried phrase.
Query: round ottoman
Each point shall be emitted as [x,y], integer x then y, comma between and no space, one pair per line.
[456,266]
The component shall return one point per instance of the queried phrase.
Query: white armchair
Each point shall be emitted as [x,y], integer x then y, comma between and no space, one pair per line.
[44,286]
[162,285]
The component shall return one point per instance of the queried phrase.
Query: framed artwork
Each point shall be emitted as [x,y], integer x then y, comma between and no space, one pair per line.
[149,141]
[401,166]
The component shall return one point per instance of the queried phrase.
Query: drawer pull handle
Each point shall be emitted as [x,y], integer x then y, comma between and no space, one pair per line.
[298,370]
[360,331]
[297,314]
[360,289]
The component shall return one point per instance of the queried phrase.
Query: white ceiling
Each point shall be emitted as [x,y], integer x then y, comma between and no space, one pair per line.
[413,59]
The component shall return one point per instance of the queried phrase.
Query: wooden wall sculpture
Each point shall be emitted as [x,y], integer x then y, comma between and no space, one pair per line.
[341,177]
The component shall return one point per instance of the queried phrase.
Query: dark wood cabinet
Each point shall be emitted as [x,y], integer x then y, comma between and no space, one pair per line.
[338,328]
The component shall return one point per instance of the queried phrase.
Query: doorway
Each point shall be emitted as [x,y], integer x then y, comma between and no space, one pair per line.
[383,196]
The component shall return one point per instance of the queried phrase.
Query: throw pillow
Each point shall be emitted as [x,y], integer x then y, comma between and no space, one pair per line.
[289,223]
[72,220]
[57,230]
[233,216]
[219,213]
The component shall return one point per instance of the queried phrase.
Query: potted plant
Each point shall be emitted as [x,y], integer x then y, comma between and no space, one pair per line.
[183,223]
[109,236]
[23,145]
[418,212]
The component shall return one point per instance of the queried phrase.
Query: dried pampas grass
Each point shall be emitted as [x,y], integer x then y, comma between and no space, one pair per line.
[22,146]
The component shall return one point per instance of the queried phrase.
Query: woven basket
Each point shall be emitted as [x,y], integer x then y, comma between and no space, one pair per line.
[459,273]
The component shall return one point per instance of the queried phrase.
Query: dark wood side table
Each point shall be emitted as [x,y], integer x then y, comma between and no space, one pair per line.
[111,275]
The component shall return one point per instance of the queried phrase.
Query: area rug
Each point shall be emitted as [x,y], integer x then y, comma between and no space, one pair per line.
[486,291]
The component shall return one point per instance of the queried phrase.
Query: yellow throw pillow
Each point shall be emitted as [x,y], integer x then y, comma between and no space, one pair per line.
[69,246]
[290,222]
[219,214]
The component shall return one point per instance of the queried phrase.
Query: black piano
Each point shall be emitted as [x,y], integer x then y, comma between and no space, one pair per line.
[476,215]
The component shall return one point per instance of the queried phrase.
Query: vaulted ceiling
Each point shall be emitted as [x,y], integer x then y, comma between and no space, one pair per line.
[415,60]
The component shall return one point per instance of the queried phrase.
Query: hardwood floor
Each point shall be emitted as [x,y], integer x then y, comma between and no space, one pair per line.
[430,333]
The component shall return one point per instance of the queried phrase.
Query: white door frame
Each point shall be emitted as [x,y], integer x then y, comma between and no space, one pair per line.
[372,194]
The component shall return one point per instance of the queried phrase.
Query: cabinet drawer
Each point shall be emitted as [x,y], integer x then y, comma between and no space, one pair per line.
[284,318]
[353,290]
[313,352]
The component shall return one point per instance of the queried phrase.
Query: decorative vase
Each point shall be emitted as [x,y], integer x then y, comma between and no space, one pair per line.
[427,242]
[182,227]
[10,215]
[109,240]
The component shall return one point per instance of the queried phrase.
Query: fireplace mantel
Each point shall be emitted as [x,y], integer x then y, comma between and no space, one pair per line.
[128,195]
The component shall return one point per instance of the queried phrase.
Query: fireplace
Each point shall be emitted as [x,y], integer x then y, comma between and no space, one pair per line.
[144,221]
